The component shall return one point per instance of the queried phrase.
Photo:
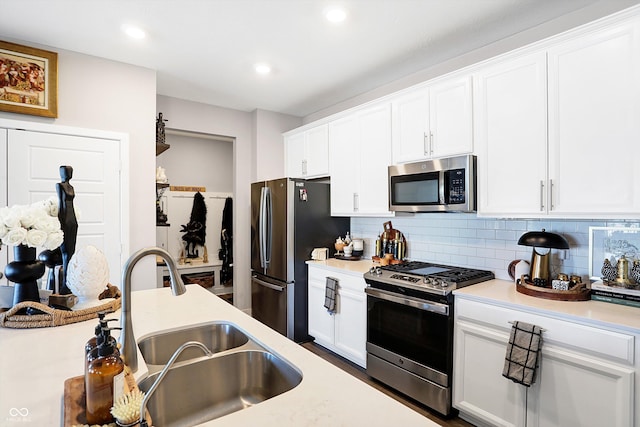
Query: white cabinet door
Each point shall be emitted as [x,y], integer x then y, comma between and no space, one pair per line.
[375,157]
[594,123]
[575,389]
[33,172]
[3,197]
[511,136]
[321,322]
[345,331]
[294,146]
[479,390]
[351,321]
[410,115]
[451,117]
[344,164]
[317,151]
[308,153]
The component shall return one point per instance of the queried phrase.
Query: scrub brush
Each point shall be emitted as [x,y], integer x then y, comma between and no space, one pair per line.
[126,409]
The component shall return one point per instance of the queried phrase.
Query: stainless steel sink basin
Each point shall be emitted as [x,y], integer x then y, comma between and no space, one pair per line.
[157,349]
[206,389]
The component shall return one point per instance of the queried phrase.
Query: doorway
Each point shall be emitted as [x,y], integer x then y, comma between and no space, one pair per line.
[197,163]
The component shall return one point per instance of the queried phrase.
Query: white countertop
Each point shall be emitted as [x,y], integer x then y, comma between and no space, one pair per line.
[357,268]
[598,313]
[34,364]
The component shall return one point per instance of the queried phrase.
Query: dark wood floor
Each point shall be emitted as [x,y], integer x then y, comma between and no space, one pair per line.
[360,373]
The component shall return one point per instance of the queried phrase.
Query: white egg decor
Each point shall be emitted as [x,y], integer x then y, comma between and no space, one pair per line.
[87,275]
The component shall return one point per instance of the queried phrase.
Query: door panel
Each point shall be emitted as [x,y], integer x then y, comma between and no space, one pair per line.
[279,220]
[33,172]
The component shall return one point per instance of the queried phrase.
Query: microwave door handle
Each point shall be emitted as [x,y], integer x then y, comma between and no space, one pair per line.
[441,177]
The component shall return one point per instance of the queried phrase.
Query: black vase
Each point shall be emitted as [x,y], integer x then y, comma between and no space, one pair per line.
[24,272]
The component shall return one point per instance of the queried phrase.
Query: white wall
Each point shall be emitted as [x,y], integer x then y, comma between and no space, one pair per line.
[100,94]
[269,150]
[484,243]
[546,30]
[195,161]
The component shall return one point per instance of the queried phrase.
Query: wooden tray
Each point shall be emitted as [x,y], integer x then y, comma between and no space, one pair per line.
[74,409]
[581,294]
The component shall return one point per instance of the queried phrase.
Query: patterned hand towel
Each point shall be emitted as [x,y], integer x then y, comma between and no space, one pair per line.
[331,288]
[523,349]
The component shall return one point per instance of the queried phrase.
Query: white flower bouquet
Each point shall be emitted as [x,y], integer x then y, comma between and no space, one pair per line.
[35,225]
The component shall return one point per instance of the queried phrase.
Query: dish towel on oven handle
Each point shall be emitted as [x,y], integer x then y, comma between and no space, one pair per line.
[523,350]
[331,289]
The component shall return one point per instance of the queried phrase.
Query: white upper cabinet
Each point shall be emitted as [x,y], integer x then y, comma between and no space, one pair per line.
[511,136]
[308,153]
[594,123]
[433,121]
[360,150]
[558,132]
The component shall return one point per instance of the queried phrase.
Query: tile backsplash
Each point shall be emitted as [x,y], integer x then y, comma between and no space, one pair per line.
[485,243]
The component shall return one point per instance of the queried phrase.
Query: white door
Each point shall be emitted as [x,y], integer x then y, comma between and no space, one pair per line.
[410,115]
[451,117]
[594,123]
[351,320]
[317,151]
[344,164]
[375,158]
[321,322]
[294,146]
[34,159]
[511,136]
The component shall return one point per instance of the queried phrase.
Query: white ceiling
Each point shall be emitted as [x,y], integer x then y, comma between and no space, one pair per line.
[204,50]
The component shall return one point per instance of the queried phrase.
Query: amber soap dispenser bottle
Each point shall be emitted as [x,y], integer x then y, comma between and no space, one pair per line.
[104,382]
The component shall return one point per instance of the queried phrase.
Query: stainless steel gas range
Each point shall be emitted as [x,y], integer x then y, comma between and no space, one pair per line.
[410,327]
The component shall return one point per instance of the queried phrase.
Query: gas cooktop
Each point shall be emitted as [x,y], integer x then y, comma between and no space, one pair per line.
[427,277]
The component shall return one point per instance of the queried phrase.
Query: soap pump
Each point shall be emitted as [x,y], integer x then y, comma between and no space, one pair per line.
[94,341]
[104,381]
[104,335]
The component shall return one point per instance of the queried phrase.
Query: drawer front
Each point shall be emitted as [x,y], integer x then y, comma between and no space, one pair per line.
[611,345]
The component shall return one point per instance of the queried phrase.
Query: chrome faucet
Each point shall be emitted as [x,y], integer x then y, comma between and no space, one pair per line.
[156,383]
[128,346]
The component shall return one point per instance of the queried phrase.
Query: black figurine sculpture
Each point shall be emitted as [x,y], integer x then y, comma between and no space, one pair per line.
[68,223]
[196,230]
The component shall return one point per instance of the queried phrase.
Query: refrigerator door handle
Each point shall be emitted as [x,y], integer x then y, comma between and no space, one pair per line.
[262,227]
[269,228]
[267,284]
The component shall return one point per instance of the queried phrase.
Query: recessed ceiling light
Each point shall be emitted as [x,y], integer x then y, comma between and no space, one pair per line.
[134,32]
[335,15]
[263,69]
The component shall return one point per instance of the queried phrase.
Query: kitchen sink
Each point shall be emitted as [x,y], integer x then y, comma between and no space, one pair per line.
[157,349]
[203,390]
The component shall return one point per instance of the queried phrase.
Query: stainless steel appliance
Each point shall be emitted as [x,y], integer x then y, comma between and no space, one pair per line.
[289,218]
[410,327]
[440,185]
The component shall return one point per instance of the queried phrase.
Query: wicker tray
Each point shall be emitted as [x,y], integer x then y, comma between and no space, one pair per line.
[55,317]
[581,293]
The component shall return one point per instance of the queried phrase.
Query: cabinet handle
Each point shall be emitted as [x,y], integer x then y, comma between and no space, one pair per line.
[541,196]
[425,144]
[551,206]
[355,202]
[304,167]
[431,143]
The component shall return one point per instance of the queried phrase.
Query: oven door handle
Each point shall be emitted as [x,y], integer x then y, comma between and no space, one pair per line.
[420,304]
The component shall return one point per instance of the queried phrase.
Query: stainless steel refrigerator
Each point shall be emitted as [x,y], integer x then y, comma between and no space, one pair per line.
[289,218]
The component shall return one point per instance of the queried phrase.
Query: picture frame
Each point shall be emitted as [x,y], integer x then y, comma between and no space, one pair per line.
[28,80]
[611,242]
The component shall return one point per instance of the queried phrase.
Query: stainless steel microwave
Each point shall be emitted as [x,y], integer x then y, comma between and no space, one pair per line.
[440,185]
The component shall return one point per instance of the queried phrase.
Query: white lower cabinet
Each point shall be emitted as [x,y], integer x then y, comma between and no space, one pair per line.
[345,331]
[586,375]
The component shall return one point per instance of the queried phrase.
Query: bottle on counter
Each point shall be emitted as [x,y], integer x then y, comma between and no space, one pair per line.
[102,323]
[104,382]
